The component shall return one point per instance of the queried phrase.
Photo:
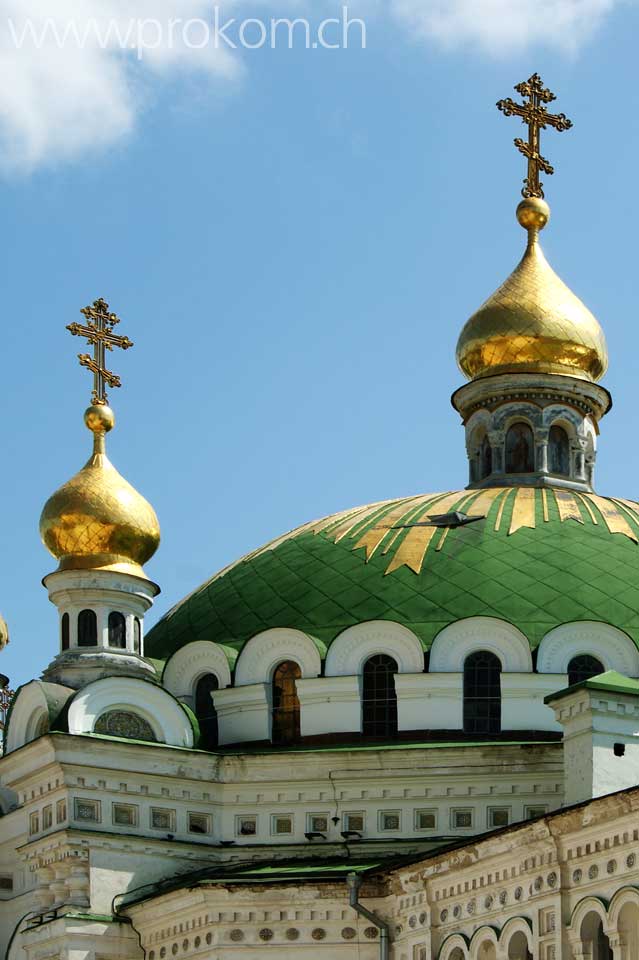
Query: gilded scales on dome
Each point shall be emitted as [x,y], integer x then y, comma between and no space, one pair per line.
[533,323]
[97,520]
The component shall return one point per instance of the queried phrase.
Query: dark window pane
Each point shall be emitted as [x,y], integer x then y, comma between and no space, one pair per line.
[286,704]
[87,629]
[485,459]
[65,631]
[137,635]
[520,449]
[117,631]
[379,700]
[482,693]
[558,451]
[584,667]
[205,709]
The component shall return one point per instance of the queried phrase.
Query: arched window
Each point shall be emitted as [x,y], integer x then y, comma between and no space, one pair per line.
[558,451]
[379,700]
[584,667]
[117,631]
[205,709]
[593,939]
[121,723]
[520,456]
[137,635]
[482,693]
[286,704]
[64,631]
[485,459]
[87,629]
[518,947]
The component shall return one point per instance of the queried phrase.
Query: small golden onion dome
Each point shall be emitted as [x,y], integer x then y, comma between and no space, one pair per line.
[4,633]
[97,520]
[533,323]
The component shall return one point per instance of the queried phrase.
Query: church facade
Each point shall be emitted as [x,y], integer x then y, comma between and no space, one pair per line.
[407,731]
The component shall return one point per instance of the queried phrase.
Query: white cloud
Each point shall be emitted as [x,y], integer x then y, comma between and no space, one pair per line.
[70,77]
[503,27]
[72,83]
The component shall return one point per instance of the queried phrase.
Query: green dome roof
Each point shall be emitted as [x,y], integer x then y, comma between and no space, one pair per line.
[540,558]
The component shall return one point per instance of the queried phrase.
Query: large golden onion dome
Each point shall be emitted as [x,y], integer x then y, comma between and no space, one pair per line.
[97,520]
[533,323]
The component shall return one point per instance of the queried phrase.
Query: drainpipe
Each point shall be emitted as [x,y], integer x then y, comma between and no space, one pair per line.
[354,883]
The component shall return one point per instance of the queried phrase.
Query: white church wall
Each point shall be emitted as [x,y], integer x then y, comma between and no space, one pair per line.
[350,650]
[455,643]
[263,652]
[522,701]
[243,713]
[427,701]
[330,705]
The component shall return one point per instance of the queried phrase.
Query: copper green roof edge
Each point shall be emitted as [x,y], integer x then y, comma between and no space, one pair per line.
[238,750]
[609,682]
[92,917]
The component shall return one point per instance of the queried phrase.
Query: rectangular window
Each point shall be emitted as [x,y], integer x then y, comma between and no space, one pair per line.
[245,826]
[47,817]
[86,810]
[425,819]
[6,881]
[498,817]
[125,815]
[199,823]
[354,821]
[462,819]
[389,819]
[537,811]
[34,823]
[317,822]
[281,825]
[419,952]
[61,811]
[163,819]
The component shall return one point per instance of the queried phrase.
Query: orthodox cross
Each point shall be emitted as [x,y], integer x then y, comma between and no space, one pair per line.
[535,114]
[99,334]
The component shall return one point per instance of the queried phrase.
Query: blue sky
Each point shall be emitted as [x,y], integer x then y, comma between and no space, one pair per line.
[294,239]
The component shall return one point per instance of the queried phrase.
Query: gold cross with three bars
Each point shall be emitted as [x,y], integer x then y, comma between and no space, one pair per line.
[535,114]
[99,333]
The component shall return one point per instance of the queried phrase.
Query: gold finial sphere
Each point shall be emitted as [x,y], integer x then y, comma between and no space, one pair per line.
[99,418]
[533,213]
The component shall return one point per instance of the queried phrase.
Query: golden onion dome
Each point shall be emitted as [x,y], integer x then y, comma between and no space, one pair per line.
[97,520]
[533,323]
[4,633]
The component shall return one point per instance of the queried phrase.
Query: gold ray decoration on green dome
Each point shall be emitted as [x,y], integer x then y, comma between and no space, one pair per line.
[385,528]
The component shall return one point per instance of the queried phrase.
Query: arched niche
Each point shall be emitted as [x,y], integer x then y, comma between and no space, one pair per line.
[168,720]
[263,652]
[456,642]
[355,645]
[611,646]
[454,947]
[34,709]
[484,944]
[623,916]
[184,669]
[516,939]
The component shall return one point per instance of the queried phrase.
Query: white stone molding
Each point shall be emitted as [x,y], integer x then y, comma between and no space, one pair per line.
[243,713]
[517,411]
[330,705]
[611,646]
[32,710]
[266,650]
[458,640]
[354,646]
[450,944]
[485,936]
[560,415]
[522,701]
[427,701]
[622,897]
[510,928]
[190,663]
[168,720]
[581,911]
